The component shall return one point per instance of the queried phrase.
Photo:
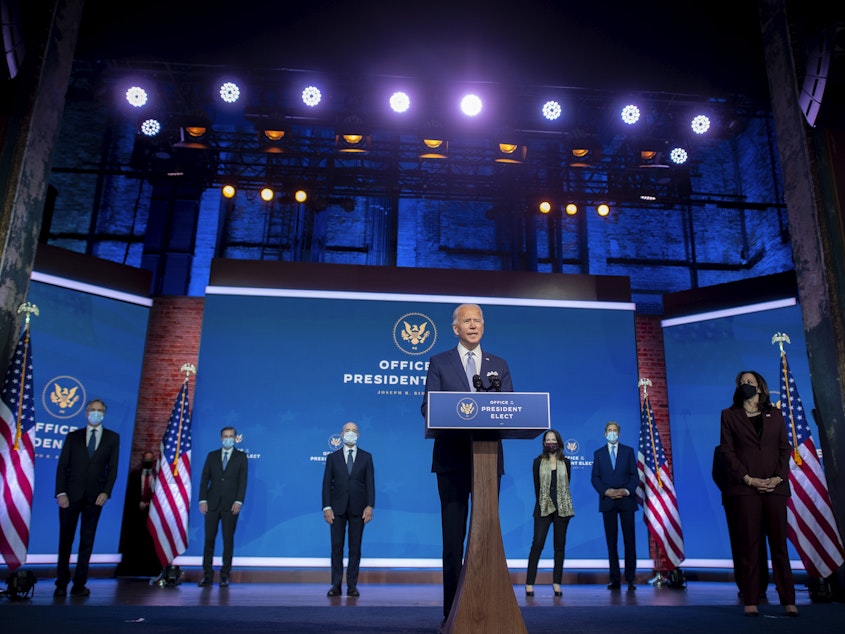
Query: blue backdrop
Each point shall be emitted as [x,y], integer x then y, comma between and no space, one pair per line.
[290,368]
[703,358]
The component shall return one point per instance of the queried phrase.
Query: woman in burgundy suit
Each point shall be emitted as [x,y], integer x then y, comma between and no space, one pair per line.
[756,450]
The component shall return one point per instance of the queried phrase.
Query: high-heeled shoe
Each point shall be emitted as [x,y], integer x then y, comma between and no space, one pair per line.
[751,610]
[791,610]
[529,593]
[556,588]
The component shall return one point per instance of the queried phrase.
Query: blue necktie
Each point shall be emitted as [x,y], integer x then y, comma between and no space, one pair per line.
[349,462]
[225,459]
[613,456]
[471,371]
[92,443]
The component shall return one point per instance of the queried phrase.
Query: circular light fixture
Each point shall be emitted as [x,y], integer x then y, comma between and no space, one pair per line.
[311,96]
[700,124]
[266,194]
[228,191]
[545,207]
[471,105]
[552,110]
[229,92]
[150,127]
[630,114]
[136,96]
[400,102]
[571,209]
[678,155]
[603,210]
[300,196]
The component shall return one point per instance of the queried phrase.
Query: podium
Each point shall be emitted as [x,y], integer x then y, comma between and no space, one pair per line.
[485,600]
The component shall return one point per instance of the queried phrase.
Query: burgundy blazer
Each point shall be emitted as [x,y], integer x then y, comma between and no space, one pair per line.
[745,453]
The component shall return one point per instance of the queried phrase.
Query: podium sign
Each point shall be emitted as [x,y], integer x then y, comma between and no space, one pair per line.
[509,414]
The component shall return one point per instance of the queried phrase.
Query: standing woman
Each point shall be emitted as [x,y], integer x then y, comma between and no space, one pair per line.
[756,450]
[553,506]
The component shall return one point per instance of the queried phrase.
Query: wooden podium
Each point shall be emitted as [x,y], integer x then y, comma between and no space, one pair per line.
[485,599]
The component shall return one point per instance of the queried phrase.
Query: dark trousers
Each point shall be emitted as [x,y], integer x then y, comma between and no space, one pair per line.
[338,535]
[758,515]
[68,520]
[733,536]
[541,530]
[611,533]
[454,488]
[227,521]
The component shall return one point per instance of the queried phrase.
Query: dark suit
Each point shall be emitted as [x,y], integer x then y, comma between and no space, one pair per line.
[82,479]
[452,460]
[220,490]
[624,476]
[348,494]
[758,514]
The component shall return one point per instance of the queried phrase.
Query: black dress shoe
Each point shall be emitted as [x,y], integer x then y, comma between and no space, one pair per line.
[334,591]
[558,593]
[224,582]
[60,591]
[352,592]
[79,591]
[529,593]
[204,582]
[613,586]
[631,587]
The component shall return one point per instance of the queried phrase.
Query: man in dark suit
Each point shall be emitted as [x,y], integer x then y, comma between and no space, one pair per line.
[453,371]
[85,477]
[349,495]
[615,479]
[222,491]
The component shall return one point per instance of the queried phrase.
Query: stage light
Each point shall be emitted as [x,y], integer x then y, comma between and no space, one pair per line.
[603,210]
[136,96]
[513,153]
[648,197]
[400,102]
[630,114]
[552,110]
[300,196]
[700,124]
[435,149]
[194,134]
[678,155]
[571,209]
[584,149]
[311,96]
[267,194]
[271,136]
[228,191]
[545,206]
[150,127]
[352,136]
[471,105]
[229,92]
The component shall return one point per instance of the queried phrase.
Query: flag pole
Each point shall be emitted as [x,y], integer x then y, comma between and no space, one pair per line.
[30,309]
[779,338]
[188,369]
[646,383]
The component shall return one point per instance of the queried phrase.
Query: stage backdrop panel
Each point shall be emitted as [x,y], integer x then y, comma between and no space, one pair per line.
[703,356]
[85,344]
[288,368]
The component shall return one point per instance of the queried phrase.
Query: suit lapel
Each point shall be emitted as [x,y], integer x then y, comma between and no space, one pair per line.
[457,366]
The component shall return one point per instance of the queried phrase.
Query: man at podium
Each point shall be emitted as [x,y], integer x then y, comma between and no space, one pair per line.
[461,369]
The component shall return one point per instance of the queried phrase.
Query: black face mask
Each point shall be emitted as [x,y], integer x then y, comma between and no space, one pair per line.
[747,391]
[550,447]
[147,464]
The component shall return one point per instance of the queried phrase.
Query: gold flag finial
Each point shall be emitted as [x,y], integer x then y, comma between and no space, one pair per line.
[779,338]
[645,384]
[30,309]
[188,369]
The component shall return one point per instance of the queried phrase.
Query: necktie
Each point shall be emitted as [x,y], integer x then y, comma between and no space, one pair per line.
[613,456]
[349,462]
[92,443]
[225,459]
[471,371]
[146,489]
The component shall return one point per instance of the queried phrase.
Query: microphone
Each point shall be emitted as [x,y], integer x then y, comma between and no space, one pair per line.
[478,384]
[495,383]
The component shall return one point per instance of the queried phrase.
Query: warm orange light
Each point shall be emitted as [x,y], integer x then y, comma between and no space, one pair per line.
[603,210]
[433,144]
[196,131]
[507,148]
[267,194]
[580,152]
[353,139]
[648,155]
[545,207]
[228,191]
[300,196]
[274,135]
[571,209]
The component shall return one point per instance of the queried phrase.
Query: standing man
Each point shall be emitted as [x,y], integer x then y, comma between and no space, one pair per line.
[85,476]
[615,479]
[453,371]
[349,495]
[222,491]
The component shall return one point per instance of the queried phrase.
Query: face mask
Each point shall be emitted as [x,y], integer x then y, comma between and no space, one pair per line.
[550,447]
[350,438]
[95,417]
[612,436]
[747,391]
[147,464]
[228,443]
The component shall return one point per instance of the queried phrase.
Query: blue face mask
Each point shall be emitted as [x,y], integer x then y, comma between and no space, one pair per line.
[350,438]
[612,436]
[95,417]
[228,443]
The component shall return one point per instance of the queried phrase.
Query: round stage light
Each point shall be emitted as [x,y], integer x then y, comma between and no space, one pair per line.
[630,114]
[400,102]
[311,96]
[545,207]
[571,209]
[150,127]
[300,196]
[678,155]
[700,124]
[471,105]
[136,96]
[552,110]
[266,194]
[603,210]
[229,92]
[228,191]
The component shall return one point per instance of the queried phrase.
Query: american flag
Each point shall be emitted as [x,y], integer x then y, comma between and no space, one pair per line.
[811,524]
[171,503]
[17,455]
[656,493]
